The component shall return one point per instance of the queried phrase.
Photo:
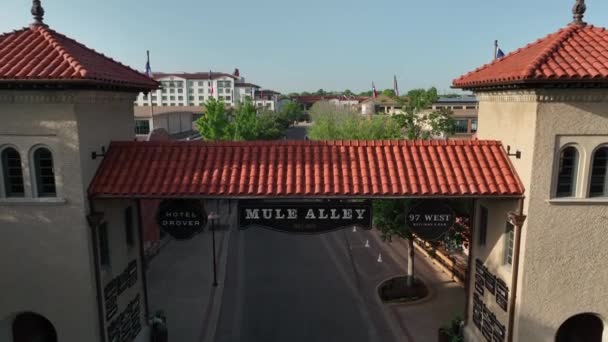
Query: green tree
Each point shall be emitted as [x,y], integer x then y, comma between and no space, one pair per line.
[246,125]
[347,92]
[420,123]
[332,122]
[214,123]
[389,92]
[292,112]
[321,92]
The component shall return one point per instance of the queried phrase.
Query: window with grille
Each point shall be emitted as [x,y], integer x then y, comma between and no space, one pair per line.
[45,174]
[566,174]
[461,126]
[129,233]
[104,245]
[483,225]
[142,127]
[509,239]
[12,173]
[599,174]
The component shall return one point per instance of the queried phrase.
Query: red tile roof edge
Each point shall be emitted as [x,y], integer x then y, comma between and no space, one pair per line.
[159,170]
[528,77]
[87,77]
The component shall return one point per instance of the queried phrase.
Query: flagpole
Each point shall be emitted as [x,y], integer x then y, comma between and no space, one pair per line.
[150,94]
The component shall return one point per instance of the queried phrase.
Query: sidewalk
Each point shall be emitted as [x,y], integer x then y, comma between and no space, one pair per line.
[180,281]
[420,321]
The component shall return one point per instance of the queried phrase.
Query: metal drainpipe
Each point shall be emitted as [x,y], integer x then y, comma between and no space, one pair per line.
[102,330]
[472,225]
[518,227]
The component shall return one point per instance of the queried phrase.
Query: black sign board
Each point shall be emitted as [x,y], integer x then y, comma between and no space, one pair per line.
[429,220]
[477,311]
[182,219]
[502,294]
[480,279]
[487,325]
[499,331]
[490,281]
[305,217]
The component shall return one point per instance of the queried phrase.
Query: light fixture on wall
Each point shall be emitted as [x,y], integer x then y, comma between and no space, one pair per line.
[94,154]
[517,153]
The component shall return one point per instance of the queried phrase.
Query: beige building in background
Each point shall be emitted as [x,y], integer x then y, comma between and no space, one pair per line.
[545,280]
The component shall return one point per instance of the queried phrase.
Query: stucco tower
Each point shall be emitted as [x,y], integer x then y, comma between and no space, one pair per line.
[59,102]
[548,102]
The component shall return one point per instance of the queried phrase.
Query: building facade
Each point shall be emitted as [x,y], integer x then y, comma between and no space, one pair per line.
[71,271]
[194,89]
[536,272]
[464,110]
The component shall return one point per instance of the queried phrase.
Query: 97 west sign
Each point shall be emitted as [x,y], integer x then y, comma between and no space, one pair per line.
[305,217]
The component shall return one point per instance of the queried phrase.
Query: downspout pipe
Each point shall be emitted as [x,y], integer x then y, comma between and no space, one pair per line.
[94,219]
[517,219]
[472,227]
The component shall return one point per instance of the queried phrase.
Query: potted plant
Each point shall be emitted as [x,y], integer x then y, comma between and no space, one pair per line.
[450,332]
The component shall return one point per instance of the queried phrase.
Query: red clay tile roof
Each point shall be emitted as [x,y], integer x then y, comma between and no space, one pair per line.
[576,53]
[299,169]
[39,55]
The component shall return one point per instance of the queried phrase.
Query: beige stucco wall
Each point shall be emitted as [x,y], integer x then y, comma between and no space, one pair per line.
[121,254]
[563,242]
[47,258]
[564,267]
[492,255]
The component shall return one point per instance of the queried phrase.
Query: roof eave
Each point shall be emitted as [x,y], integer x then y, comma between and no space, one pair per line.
[535,83]
[76,83]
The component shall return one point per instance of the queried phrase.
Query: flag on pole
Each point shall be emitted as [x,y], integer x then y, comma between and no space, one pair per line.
[395,86]
[497,51]
[148,68]
[374,92]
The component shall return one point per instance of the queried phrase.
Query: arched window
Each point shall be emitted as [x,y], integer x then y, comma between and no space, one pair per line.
[31,327]
[44,173]
[599,174]
[566,173]
[12,173]
[583,327]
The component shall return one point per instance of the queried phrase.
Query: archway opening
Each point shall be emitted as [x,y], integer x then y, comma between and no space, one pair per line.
[31,327]
[581,328]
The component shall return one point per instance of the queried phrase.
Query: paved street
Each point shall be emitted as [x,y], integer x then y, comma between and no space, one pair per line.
[281,287]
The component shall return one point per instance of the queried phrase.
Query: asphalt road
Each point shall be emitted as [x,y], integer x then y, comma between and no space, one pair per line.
[282,287]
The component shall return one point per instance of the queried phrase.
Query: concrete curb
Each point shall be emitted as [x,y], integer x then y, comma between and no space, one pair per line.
[217,293]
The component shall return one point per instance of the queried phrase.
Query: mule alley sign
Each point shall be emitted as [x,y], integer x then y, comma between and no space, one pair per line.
[429,220]
[305,217]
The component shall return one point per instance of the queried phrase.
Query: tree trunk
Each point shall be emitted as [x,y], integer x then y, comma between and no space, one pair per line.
[410,262]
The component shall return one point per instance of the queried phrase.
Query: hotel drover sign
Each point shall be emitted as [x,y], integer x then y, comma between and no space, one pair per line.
[305,217]
[182,219]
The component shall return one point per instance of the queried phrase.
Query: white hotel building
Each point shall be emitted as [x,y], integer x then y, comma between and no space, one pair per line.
[178,103]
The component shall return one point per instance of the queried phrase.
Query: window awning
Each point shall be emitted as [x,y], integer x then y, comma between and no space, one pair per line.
[306,169]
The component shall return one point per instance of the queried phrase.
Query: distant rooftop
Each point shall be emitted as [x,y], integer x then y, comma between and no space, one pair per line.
[459,99]
[194,75]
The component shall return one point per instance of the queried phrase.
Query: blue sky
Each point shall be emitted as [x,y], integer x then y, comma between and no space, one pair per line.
[307,45]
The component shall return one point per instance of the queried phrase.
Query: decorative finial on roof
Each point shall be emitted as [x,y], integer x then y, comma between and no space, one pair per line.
[38,13]
[579,12]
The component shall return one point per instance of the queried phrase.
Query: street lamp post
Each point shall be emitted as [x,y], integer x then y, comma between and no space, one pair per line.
[212,217]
